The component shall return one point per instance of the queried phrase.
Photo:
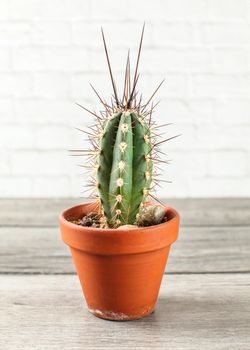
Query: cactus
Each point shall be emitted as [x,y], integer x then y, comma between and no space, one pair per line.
[125,150]
[124,167]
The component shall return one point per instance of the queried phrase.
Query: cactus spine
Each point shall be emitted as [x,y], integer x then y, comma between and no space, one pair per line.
[125,151]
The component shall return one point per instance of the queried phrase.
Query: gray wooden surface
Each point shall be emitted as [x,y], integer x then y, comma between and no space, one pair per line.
[204,299]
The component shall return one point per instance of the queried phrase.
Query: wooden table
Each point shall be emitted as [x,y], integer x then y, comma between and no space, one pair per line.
[204,300]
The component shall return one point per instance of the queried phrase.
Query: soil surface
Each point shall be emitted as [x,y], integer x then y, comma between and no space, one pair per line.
[93,219]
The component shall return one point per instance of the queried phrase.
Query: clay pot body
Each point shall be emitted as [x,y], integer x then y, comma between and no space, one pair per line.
[120,270]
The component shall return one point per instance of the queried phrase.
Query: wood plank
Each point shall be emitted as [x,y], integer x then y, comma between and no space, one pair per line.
[194,312]
[199,249]
[194,212]
[33,212]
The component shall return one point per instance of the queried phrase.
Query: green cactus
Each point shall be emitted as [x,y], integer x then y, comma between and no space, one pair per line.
[125,151]
[124,167]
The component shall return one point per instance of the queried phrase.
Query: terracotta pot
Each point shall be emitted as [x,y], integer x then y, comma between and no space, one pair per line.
[120,270]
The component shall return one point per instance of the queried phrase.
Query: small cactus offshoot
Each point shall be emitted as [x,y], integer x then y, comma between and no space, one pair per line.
[125,151]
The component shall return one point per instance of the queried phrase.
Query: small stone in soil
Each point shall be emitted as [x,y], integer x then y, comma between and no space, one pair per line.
[126,227]
[151,215]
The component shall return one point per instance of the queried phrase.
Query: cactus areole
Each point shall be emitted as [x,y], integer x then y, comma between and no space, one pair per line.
[125,150]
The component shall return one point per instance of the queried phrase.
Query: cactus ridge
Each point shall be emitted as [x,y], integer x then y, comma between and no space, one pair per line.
[125,153]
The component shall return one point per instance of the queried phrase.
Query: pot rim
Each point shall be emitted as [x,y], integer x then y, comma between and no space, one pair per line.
[113,241]
[63,219]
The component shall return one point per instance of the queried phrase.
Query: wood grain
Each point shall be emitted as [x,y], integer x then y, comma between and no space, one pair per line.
[194,312]
[198,249]
[194,212]
[204,300]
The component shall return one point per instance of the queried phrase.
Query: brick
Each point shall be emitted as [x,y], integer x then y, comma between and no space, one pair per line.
[233,111]
[12,186]
[46,9]
[190,163]
[224,34]
[6,107]
[79,139]
[177,60]
[53,137]
[16,85]
[42,111]
[202,111]
[171,109]
[16,137]
[4,60]
[86,34]
[5,10]
[248,162]
[39,163]
[185,141]
[212,187]
[49,85]
[4,164]
[219,86]
[77,186]
[187,111]
[56,186]
[67,59]
[227,163]
[168,9]
[178,188]
[51,33]
[214,137]
[109,9]
[78,181]
[80,88]
[14,33]
[228,60]
[227,9]
[172,34]
[28,59]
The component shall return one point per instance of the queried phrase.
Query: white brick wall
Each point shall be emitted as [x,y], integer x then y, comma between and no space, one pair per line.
[51,49]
